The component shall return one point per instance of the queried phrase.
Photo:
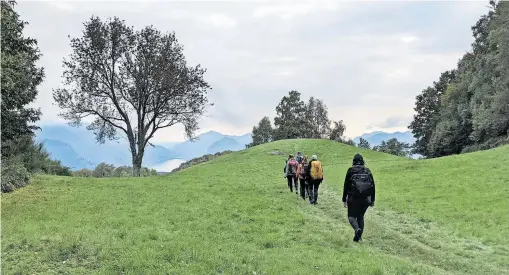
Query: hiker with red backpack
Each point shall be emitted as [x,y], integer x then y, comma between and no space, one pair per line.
[302,174]
[315,177]
[291,173]
[358,194]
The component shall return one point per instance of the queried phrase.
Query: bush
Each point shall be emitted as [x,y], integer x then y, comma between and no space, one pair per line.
[24,156]
[104,170]
[490,144]
[14,174]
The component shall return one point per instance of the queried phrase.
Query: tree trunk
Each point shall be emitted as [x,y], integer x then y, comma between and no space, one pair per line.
[137,166]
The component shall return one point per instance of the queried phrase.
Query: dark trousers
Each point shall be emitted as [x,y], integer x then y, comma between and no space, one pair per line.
[357,207]
[292,180]
[313,189]
[303,188]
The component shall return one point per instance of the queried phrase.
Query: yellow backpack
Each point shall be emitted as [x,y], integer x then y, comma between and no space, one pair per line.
[316,170]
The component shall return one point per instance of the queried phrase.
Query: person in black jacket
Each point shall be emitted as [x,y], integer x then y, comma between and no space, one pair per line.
[356,202]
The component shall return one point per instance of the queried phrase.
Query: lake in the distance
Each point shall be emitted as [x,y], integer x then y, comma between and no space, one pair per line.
[168,166]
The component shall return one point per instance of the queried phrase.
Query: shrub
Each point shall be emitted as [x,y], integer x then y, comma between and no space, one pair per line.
[14,174]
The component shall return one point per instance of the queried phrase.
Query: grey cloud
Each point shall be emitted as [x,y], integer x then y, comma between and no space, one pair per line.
[350,54]
[394,122]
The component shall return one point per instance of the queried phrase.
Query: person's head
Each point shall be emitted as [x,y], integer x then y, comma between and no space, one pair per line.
[290,156]
[299,153]
[314,157]
[304,159]
[358,160]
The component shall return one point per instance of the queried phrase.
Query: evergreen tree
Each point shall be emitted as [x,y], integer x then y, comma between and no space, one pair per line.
[364,144]
[290,117]
[262,133]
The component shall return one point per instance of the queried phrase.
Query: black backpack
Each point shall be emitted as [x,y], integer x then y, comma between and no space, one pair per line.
[362,185]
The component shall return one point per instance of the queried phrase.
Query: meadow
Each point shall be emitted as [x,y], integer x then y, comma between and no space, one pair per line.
[235,215]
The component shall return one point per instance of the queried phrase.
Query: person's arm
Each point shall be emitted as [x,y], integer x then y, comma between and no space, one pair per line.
[373,195]
[299,168]
[346,184]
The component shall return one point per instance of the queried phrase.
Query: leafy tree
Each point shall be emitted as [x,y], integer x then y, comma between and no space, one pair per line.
[103,170]
[348,142]
[490,94]
[393,147]
[470,110]
[132,83]
[290,115]
[337,131]
[364,144]
[263,133]
[317,119]
[83,173]
[427,107]
[310,128]
[20,78]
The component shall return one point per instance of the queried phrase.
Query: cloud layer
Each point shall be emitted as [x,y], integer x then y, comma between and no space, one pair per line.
[366,60]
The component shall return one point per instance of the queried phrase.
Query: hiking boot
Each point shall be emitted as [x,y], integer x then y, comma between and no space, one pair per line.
[357,235]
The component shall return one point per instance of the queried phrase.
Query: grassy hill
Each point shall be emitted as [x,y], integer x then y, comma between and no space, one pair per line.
[235,215]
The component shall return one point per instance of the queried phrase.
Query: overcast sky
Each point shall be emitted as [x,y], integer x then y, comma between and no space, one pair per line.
[366,60]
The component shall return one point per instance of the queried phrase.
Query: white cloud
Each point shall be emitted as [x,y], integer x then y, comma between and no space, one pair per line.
[222,21]
[409,39]
[398,73]
[61,5]
[294,9]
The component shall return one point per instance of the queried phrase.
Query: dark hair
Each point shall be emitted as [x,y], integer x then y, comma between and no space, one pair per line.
[358,160]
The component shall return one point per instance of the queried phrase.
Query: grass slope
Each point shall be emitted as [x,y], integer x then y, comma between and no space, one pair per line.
[235,215]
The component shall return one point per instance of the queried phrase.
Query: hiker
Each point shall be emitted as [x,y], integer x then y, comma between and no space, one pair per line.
[291,173]
[302,173]
[358,194]
[315,177]
[299,157]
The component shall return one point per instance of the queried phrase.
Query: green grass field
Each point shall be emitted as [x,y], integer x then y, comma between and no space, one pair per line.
[235,215]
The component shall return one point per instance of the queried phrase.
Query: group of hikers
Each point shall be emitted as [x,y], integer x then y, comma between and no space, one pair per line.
[358,188]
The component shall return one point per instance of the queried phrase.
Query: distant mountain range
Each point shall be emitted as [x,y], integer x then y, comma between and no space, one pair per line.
[375,138]
[77,148]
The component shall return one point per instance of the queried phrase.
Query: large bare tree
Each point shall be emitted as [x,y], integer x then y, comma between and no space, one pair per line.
[131,83]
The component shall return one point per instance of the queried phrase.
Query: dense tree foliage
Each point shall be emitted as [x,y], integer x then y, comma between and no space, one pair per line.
[290,117]
[21,155]
[132,83]
[20,77]
[316,120]
[468,108]
[394,147]
[364,144]
[296,119]
[338,129]
[262,133]
[104,170]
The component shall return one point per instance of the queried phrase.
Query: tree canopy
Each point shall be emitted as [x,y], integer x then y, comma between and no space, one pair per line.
[468,108]
[20,78]
[131,83]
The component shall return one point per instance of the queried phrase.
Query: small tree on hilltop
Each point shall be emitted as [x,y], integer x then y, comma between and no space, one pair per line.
[317,119]
[364,144]
[263,133]
[337,131]
[289,117]
[131,83]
